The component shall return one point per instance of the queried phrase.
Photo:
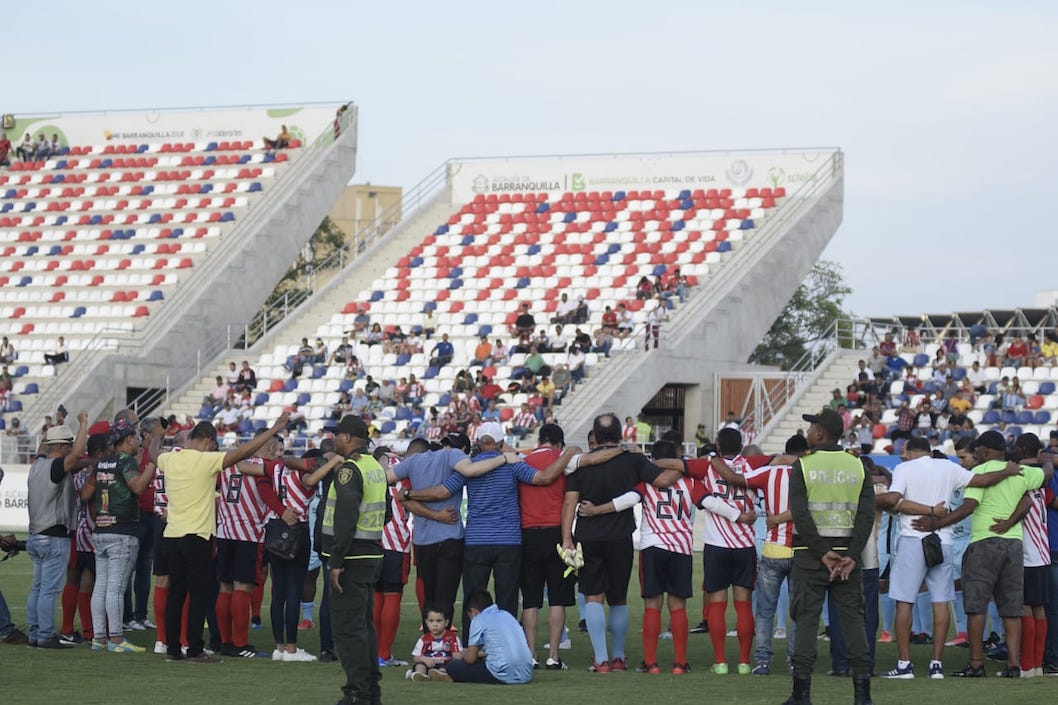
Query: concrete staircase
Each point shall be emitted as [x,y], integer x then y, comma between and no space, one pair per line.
[304,321]
[841,371]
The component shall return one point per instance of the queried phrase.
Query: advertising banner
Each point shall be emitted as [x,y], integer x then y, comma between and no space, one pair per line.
[14,499]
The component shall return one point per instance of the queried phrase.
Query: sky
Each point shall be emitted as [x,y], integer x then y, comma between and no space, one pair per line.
[946,111]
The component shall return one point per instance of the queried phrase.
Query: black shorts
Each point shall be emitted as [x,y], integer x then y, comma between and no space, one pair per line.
[664,572]
[725,567]
[541,566]
[607,569]
[1037,586]
[993,569]
[237,561]
[86,560]
[161,556]
[396,565]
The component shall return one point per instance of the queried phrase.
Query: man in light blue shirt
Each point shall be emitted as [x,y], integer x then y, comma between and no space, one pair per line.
[496,650]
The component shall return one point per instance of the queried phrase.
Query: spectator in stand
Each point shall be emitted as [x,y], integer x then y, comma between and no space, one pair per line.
[912,343]
[482,353]
[53,146]
[524,324]
[565,311]
[416,391]
[297,420]
[233,376]
[41,148]
[319,353]
[375,336]
[26,150]
[575,361]
[644,289]
[1017,352]
[358,404]
[492,412]
[370,384]
[227,419]
[217,395]
[247,381]
[412,344]
[543,342]
[282,140]
[977,378]
[1049,351]
[535,364]
[609,320]
[353,368]
[630,431]
[489,391]
[442,352]
[603,342]
[360,323]
[61,353]
[524,422]
[5,150]
[341,407]
[625,323]
[7,352]
[342,353]
[888,346]
[581,314]
[393,340]
[546,389]
[500,353]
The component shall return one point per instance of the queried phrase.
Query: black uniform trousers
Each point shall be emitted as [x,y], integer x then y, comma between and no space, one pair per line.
[353,625]
[810,585]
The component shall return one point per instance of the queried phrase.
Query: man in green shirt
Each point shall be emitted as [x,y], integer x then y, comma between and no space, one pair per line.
[992,565]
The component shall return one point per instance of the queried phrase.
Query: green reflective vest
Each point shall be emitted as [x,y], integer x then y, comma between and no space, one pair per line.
[833,480]
[372,506]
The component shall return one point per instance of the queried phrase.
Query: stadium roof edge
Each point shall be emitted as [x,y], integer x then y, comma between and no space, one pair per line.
[188,108]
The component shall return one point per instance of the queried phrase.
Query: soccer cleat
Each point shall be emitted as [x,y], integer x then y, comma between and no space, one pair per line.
[300,655]
[992,641]
[959,640]
[305,625]
[71,639]
[603,667]
[390,662]
[582,625]
[906,673]
[126,626]
[553,664]
[968,671]
[1050,669]
[52,642]
[921,638]
[536,665]
[1010,672]
[885,637]
[437,674]
[720,669]
[642,667]
[999,653]
[98,645]
[744,669]
[701,628]
[936,670]
[125,647]
[16,637]
[159,648]
[619,663]
[678,669]
[178,658]
[419,676]
[780,633]
[762,669]
[825,636]
[247,651]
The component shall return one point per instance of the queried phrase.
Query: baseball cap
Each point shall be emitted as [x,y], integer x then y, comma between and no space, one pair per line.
[457,440]
[992,440]
[493,430]
[355,426]
[58,434]
[121,430]
[830,420]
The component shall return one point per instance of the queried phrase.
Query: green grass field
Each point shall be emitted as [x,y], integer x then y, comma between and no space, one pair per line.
[31,676]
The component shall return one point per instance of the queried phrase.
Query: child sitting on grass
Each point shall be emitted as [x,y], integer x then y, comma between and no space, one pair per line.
[436,647]
[496,652]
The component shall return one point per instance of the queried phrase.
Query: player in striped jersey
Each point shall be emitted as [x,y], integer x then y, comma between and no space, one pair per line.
[1036,555]
[286,487]
[81,573]
[730,554]
[396,566]
[240,528]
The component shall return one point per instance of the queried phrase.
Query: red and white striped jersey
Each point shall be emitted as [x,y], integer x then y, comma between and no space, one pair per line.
[524,420]
[434,433]
[630,433]
[473,403]
[416,390]
[289,488]
[1035,549]
[773,481]
[668,515]
[85,525]
[720,531]
[161,496]
[396,534]
[443,647]
[472,430]
[240,512]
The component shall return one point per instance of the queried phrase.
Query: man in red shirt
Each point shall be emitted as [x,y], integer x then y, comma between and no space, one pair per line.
[5,149]
[541,532]
[1017,352]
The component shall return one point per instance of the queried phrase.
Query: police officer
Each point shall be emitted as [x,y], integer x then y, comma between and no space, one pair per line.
[832,501]
[354,513]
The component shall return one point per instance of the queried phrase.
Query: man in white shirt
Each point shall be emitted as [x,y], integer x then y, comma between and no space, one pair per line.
[977,378]
[564,312]
[920,484]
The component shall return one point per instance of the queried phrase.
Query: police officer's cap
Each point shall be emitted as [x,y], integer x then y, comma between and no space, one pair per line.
[830,420]
[355,426]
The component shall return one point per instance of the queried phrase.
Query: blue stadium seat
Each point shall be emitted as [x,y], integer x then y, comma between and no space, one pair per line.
[388,426]
[602,259]
[993,387]
[415,262]
[619,196]
[543,207]
[1024,417]
[429,306]
[78,312]
[254,187]
[430,372]
[445,399]
[958,374]
[402,359]
[991,417]
[246,427]
[32,250]
[261,398]
[377,296]
[1014,431]
[206,188]
[610,227]
[456,284]
[21,371]
[55,250]
[403,413]
[921,360]
[290,385]
[319,371]
[455,273]
[156,295]
[724,246]
[227,217]
[523,282]
[61,220]
[470,319]
[467,241]
[658,271]
[211,146]
[259,424]
[32,388]
[684,194]
[148,190]
[613,248]
[746,225]
[678,225]
[441,230]
[485,330]
[534,249]
[1046,388]
[304,398]
[1041,417]
[569,217]
[138,249]
[1008,417]
[346,385]
[15,405]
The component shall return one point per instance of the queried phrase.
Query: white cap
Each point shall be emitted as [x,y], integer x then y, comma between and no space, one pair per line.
[493,430]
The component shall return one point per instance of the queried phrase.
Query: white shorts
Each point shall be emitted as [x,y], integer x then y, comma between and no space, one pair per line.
[910,571]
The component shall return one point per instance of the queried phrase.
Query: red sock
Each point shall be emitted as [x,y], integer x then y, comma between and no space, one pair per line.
[390,624]
[679,633]
[718,629]
[69,608]
[240,618]
[84,608]
[1028,641]
[224,616]
[256,599]
[744,610]
[161,597]
[183,621]
[380,600]
[420,593]
[1041,641]
[651,630]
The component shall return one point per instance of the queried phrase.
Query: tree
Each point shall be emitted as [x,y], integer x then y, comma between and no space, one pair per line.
[805,320]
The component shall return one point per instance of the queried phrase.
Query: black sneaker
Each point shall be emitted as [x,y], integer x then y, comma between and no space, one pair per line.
[837,673]
[921,638]
[72,639]
[53,643]
[702,628]
[247,651]
[227,650]
[1050,669]
[16,637]
[998,653]
[968,671]
[326,657]
[992,641]
[582,625]
[1010,672]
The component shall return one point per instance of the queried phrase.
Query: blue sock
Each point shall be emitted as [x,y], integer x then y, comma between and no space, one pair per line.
[960,613]
[888,613]
[595,616]
[619,629]
[580,606]
[306,610]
